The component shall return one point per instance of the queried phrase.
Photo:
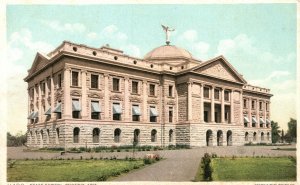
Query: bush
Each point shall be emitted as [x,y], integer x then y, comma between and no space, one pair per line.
[102,178]
[147,160]
[11,163]
[214,155]
[118,150]
[207,169]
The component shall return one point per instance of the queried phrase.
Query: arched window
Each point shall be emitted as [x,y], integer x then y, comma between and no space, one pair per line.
[153,135]
[35,137]
[96,134]
[30,135]
[48,136]
[220,138]
[76,135]
[170,135]
[254,136]
[136,136]
[57,135]
[262,136]
[209,138]
[229,138]
[117,135]
[246,136]
[268,136]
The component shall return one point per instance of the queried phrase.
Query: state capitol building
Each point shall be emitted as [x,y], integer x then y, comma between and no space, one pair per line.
[83,96]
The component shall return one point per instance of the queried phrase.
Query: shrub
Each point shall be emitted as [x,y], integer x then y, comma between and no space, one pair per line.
[214,155]
[11,163]
[136,167]
[102,178]
[207,169]
[147,160]
[82,149]
[127,150]
[112,150]
[118,150]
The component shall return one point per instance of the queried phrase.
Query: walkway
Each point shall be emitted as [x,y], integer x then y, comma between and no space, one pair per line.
[178,165]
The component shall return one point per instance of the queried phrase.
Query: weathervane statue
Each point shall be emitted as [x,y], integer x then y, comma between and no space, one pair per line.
[167,29]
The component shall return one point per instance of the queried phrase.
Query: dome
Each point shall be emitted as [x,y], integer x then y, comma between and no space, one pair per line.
[167,51]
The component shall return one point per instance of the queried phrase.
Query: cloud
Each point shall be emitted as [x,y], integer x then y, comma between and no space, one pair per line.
[189,35]
[189,39]
[23,38]
[112,31]
[132,50]
[92,35]
[65,27]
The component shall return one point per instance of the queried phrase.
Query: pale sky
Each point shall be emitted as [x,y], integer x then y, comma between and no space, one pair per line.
[259,40]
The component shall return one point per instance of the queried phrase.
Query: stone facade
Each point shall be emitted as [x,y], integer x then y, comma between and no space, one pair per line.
[79,96]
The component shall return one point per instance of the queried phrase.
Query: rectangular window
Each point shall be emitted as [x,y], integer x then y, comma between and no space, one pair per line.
[152,90]
[49,84]
[116,84]
[170,91]
[226,95]
[253,104]
[136,112]
[59,80]
[153,114]
[217,94]
[94,81]
[43,87]
[245,103]
[170,114]
[206,92]
[76,108]
[260,105]
[95,110]
[206,116]
[75,75]
[117,111]
[267,107]
[134,87]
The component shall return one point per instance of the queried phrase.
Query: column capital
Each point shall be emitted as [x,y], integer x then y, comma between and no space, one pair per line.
[67,68]
[83,71]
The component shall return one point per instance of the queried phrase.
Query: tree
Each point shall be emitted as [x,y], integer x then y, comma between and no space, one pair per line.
[17,140]
[275,132]
[291,135]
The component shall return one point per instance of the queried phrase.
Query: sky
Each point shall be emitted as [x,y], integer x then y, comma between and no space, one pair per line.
[259,40]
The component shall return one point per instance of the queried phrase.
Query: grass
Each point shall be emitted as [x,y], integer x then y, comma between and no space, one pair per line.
[252,169]
[285,149]
[69,170]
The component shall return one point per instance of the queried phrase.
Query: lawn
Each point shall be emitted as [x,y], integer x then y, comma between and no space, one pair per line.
[253,169]
[69,170]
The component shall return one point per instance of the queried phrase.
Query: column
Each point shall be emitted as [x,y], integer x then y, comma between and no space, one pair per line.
[222,106]
[212,108]
[40,102]
[145,97]
[84,105]
[257,113]
[249,112]
[52,96]
[28,105]
[190,113]
[241,109]
[231,107]
[201,104]
[127,107]
[107,107]
[265,113]
[67,100]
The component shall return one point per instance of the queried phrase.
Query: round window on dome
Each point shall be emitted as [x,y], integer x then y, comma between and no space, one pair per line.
[151,65]
[134,62]
[182,67]
[94,53]
[116,58]
[171,68]
[74,48]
